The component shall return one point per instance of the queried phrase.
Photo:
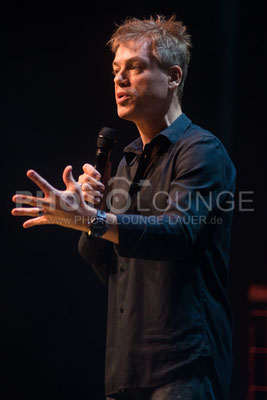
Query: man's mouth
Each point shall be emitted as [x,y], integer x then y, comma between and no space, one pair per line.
[122,97]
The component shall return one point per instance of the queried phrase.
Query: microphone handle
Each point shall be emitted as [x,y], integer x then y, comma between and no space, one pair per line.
[102,158]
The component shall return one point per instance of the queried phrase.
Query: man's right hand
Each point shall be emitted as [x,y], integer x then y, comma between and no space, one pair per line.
[92,189]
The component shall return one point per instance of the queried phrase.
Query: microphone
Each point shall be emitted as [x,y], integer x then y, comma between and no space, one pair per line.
[104,144]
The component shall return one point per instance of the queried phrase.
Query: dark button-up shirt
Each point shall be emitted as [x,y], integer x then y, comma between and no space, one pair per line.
[167,277]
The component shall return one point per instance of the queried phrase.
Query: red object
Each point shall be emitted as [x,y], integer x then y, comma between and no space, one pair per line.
[257,355]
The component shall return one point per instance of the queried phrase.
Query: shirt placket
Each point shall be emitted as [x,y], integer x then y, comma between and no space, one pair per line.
[146,161]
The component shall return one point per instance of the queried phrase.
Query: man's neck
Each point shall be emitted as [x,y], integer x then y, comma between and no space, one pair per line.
[149,128]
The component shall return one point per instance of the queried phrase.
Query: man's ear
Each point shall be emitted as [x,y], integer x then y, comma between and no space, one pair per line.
[175,76]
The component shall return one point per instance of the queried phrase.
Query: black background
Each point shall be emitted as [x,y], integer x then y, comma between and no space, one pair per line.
[57,94]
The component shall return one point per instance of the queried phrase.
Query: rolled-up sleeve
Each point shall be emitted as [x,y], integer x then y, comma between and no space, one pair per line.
[198,188]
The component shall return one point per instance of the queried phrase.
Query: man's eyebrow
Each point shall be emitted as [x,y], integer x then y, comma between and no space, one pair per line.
[130,60]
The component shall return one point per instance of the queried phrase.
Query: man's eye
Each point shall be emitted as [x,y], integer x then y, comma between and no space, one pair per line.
[137,67]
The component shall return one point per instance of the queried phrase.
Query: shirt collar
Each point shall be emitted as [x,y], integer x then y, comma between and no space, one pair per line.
[172,133]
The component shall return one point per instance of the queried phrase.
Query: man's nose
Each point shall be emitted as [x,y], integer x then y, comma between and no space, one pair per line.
[121,79]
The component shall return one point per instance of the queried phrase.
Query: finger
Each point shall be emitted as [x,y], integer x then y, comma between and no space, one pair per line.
[83,178]
[92,182]
[91,171]
[68,178]
[91,199]
[30,212]
[86,187]
[96,185]
[35,221]
[32,201]
[40,181]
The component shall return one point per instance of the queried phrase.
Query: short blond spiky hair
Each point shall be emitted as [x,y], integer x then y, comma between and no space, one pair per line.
[170,41]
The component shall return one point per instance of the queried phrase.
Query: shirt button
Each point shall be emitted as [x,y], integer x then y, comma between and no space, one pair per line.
[121,310]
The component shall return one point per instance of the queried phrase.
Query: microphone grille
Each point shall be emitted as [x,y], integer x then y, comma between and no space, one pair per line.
[106,137]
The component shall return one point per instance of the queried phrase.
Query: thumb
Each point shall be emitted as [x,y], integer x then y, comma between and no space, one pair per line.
[68,177]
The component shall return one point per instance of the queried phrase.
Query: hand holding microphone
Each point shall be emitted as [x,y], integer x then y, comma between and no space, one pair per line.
[95,178]
[92,187]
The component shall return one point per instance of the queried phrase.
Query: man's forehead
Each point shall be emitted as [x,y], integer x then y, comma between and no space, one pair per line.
[131,49]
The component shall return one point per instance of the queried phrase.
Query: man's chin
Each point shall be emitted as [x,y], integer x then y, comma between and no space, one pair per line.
[125,114]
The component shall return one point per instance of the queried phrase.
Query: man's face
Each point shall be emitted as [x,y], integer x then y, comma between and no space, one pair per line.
[141,87]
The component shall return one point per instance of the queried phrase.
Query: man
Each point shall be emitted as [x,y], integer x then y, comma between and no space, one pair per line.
[163,248]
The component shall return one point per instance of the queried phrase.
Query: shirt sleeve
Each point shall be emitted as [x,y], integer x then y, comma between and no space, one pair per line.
[99,253]
[199,189]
